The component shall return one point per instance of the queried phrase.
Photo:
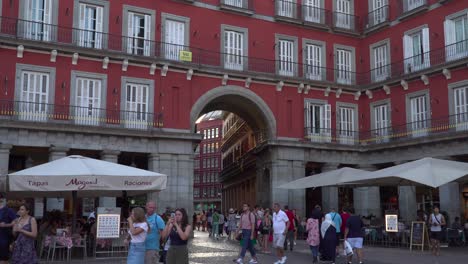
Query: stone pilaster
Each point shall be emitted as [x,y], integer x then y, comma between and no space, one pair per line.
[4,160]
[56,153]
[449,197]
[407,205]
[109,156]
[367,199]
[329,194]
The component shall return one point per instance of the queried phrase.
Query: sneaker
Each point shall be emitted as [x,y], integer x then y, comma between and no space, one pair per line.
[283,259]
[238,261]
[253,261]
[295,243]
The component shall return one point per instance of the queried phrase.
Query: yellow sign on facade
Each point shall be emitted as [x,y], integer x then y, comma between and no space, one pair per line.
[185,55]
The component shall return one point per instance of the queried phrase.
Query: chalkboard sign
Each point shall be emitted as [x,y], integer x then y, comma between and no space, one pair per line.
[418,234]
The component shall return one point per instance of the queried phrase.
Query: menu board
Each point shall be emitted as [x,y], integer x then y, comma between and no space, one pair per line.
[391,223]
[418,234]
[108,222]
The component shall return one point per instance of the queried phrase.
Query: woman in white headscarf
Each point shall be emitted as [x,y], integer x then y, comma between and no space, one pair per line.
[329,239]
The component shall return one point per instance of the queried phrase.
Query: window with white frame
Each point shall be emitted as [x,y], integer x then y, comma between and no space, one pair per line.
[416,50]
[236,3]
[380,60]
[380,122]
[343,14]
[174,39]
[378,12]
[456,36]
[91,20]
[460,106]
[314,58]
[196,192]
[409,5]
[34,96]
[286,8]
[139,34]
[418,104]
[37,19]
[318,121]
[313,11]
[233,50]
[347,125]
[87,109]
[286,54]
[344,60]
[136,106]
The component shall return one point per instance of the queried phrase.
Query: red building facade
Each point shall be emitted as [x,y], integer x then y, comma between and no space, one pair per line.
[317,75]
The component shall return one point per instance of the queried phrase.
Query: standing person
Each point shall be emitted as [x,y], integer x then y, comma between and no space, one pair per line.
[344,217]
[336,218]
[436,222]
[156,225]
[209,221]
[178,230]
[199,222]
[329,238]
[137,230]
[290,234]
[25,229]
[266,230]
[221,224]
[215,224]
[313,236]
[7,216]
[232,224]
[281,226]
[247,225]
[296,224]
[203,219]
[354,236]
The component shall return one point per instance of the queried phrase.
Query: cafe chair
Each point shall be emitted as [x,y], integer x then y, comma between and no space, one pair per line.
[83,245]
[454,238]
[57,246]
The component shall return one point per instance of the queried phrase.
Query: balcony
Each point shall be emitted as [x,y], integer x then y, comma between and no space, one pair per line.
[100,45]
[346,23]
[449,126]
[290,11]
[79,116]
[239,6]
[377,19]
[411,7]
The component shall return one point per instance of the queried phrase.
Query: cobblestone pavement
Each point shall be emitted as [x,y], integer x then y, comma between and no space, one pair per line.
[205,250]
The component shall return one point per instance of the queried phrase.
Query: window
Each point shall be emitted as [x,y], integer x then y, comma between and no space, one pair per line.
[380,120]
[286,8]
[90,26]
[409,5]
[196,192]
[175,37]
[137,101]
[314,60]
[38,18]
[234,44]
[416,50]
[88,97]
[345,64]
[138,28]
[418,113]
[458,99]
[380,59]
[313,11]
[236,3]
[35,93]
[347,123]
[286,55]
[343,14]
[217,133]
[318,120]
[456,36]
[378,12]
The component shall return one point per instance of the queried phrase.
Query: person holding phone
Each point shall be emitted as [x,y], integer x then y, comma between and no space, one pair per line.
[137,229]
[178,230]
[436,221]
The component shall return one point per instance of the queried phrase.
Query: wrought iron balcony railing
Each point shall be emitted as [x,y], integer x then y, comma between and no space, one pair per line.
[241,5]
[197,58]
[407,6]
[453,124]
[80,116]
[312,15]
[377,17]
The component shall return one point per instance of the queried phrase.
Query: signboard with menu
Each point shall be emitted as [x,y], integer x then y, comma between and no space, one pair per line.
[391,223]
[419,235]
[108,222]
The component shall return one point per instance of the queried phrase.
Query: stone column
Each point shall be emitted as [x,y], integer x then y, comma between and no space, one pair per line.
[407,205]
[56,153]
[367,199]
[279,173]
[449,197]
[109,156]
[153,165]
[4,160]
[329,194]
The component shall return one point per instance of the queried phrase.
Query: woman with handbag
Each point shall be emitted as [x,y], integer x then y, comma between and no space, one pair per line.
[25,230]
[137,229]
[178,230]
[266,230]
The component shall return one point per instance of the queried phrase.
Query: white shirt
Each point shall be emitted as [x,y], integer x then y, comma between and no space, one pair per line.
[140,238]
[436,220]
[279,222]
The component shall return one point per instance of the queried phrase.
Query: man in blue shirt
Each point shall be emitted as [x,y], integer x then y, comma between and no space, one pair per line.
[7,216]
[156,225]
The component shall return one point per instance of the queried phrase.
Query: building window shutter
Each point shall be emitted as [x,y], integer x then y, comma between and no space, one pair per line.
[426,47]
[326,119]
[47,19]
[147,41]
[130,34]
[98,29]
[450,39]
[81,25]
[408,52]
[308,124]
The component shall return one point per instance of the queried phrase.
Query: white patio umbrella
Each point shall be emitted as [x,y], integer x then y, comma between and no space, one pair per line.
[427,171]
[330,178]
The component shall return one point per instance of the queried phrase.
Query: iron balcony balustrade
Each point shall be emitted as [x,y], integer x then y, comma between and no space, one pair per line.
[407,8]
[290,11]
[377,18]
[242,6]
[78,115]
[100,44]
[449,125]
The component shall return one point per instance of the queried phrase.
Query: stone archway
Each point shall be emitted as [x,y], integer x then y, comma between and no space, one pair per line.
[241,101]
